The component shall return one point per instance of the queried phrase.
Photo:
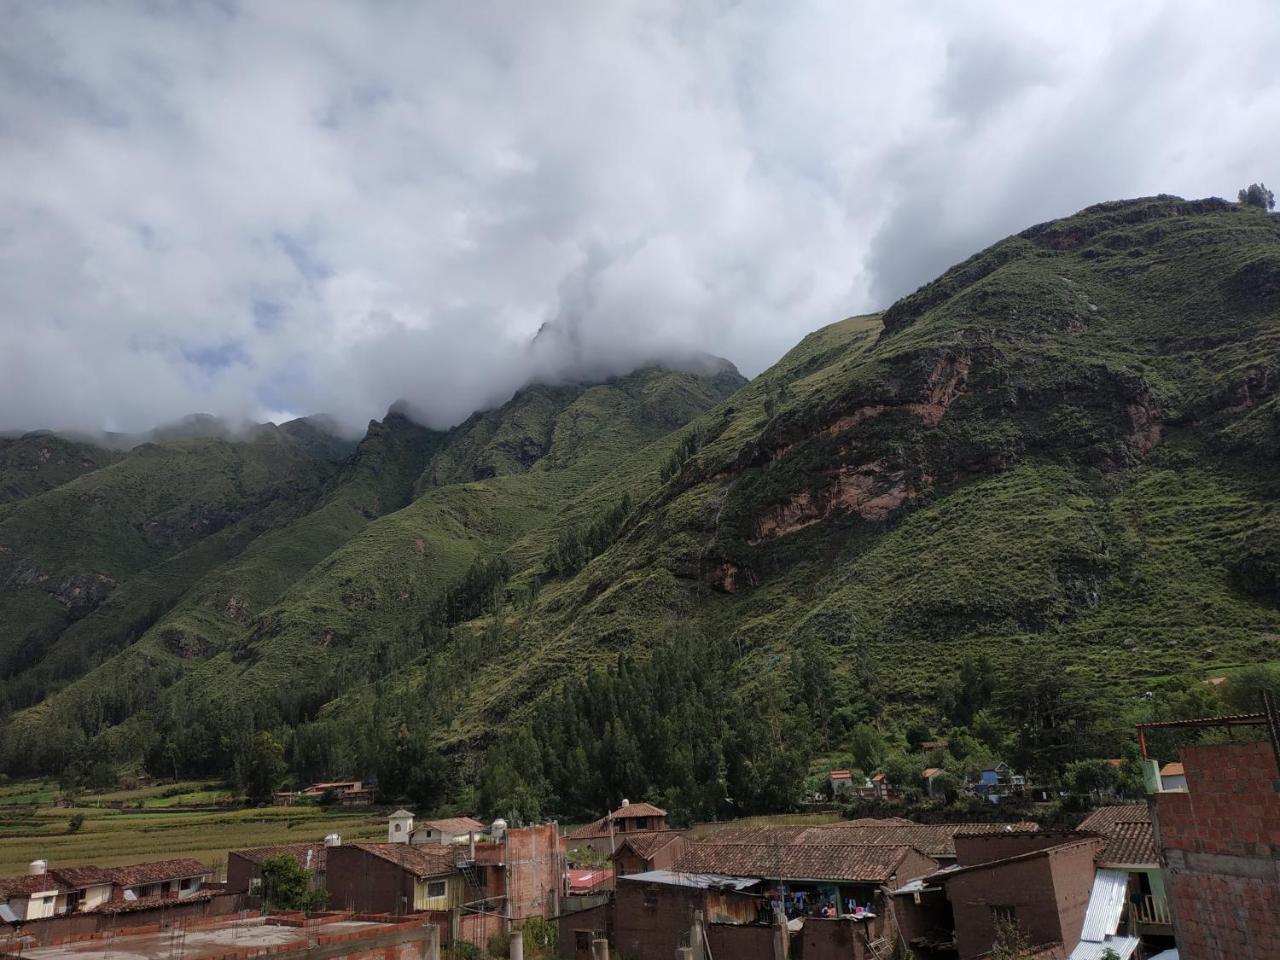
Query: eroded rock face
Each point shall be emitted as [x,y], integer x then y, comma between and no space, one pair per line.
[79,593]
[871,490]
[186,645]
[728,577]
[186,528]
[1144,417]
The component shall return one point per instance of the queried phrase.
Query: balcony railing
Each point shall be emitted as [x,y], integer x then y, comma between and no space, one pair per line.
[1152,910]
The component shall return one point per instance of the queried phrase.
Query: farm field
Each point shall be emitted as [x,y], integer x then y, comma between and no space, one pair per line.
[109,837]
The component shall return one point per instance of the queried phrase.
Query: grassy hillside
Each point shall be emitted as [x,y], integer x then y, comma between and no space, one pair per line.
[1062,454]
[275,612]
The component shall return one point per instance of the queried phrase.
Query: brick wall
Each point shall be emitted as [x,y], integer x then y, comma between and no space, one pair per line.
[1220,850]
[985,847]
[357,880]
[533,870]
[587,921]
[1048,892]
[651,919]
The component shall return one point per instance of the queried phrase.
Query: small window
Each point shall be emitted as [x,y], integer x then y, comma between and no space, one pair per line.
[435,889]
[642,823]
[651,899]
[396,827]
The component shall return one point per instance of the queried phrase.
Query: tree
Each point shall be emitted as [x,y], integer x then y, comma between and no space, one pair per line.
[75,823]
[1091,777]
[1010,942]
[286,885]
[867,747]
[1257,195]
[265,768]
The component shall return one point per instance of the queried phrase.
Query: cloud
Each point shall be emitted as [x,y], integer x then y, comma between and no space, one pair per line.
[265,209]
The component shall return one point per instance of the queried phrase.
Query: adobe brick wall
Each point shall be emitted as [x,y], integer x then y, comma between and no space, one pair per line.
[744,943]
[1049,894]
[653,932]
[357,880]
[913,866]
[985,847]
[1220,850]
[596,918]
[843,939]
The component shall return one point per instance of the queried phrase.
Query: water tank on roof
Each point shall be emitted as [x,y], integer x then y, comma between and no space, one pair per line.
[332,840]
[626,802]
[38,868]
[497,829]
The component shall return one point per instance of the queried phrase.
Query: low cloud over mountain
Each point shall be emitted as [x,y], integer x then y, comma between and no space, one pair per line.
[274,209]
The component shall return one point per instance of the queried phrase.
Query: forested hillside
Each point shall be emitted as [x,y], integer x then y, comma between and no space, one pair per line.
[1004,510]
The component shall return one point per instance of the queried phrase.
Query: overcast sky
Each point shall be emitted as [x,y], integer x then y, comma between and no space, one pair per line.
[288,207]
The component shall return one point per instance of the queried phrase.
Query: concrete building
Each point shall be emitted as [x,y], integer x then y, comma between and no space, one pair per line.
[450,830]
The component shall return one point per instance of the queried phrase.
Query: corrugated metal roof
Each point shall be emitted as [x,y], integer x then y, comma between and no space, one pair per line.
[1124,948]
[1106,903]
[706,881]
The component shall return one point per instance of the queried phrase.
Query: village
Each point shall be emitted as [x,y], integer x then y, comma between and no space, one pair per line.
[1189,872]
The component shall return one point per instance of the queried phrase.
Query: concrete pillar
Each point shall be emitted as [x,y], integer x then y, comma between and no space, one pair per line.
[599,950]
[517,945]
[684,953]
[696,942]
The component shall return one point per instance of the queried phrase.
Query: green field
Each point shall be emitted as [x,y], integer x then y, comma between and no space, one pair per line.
[109,837]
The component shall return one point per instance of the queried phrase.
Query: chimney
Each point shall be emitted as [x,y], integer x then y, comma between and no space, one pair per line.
[38,868]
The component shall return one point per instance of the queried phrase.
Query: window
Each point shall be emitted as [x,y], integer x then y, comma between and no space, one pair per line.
[582,940]
[642,823]
[396,827]
[436,888]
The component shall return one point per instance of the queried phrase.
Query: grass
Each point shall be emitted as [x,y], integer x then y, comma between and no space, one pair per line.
[110,837]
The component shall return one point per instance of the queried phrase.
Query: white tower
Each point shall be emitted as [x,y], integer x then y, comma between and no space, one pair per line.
[399,827]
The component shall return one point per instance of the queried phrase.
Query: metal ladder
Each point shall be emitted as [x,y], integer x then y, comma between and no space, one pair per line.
[880,948]
[468,871]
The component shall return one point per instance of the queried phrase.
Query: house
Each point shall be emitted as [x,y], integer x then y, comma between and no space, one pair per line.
[1173,777]
[803,875]
[29,897]
[1218,842]
[396,878]
[940,744]
[336,788]
[840,783]
[601,835]
[880,788]
[929,775]
[654,913]
[450,830]
[645,852]
[1041,880]
[999,781]
[47,893]
[1131,851]
[244,867]
[515,872]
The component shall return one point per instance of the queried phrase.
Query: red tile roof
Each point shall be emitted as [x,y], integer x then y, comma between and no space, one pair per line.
[641,809]
[646,844]
[84,876]
[427,860]
[932,839]
[25,885]
[584,881]
[298,851]
[846,863]
[1127,829]
[1172,770]
[930,772]
[455,825]
[137,874]
[841,775]
[1104,818]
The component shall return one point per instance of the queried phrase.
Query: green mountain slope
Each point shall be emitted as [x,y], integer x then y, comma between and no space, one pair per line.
[1061,454]
[245,616]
